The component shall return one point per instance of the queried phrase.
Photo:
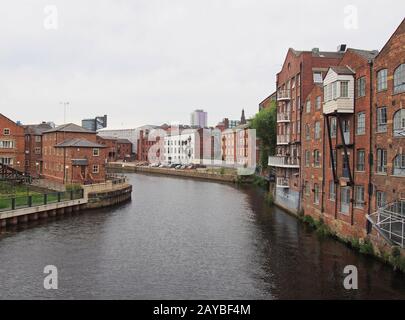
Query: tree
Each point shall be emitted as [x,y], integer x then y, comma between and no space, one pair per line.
[265,124]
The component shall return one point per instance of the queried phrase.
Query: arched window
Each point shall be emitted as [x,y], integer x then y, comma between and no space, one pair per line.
[399,123]
[399,79]
[399,165]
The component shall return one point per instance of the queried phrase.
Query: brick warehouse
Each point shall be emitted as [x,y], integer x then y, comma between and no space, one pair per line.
[11,143]
[352,157]
[300,71]
[71,154]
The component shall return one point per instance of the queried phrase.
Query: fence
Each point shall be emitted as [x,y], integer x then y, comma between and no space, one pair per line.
[19,202]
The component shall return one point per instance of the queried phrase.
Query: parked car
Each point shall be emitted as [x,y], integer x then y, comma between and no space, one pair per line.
[178,166]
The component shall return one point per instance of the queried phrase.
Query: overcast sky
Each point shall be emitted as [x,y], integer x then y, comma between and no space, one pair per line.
[150,62]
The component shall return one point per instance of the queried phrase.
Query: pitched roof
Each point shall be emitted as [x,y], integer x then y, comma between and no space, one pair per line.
[366,54]
[78,143]
[342,70]
[322,54]
[123,141]
[70,127]
[37,129]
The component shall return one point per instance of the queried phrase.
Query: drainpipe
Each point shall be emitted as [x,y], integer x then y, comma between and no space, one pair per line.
[301,185]
[370,155]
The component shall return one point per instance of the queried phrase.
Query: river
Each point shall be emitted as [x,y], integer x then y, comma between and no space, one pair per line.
[185,239]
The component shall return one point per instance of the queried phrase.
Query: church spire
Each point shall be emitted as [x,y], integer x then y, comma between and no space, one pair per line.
[243,118]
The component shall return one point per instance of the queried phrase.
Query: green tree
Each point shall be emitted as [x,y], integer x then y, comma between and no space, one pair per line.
[265,123]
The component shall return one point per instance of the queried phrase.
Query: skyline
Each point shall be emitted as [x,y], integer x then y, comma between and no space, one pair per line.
[138,63]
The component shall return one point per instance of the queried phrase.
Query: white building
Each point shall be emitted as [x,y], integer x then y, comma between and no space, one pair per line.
[199,118]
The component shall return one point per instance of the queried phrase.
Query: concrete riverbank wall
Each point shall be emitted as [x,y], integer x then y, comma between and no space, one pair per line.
[122,167]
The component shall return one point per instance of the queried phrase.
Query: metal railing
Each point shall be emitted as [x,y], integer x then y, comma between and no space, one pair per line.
[283,161]
[283,94]
[284,139]
[283,116]
[116,178]
[283,182]
[390,222]
[34,200]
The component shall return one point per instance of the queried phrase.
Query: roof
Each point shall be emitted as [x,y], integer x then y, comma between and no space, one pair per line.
[70,127]
[322,54]
[366,54]
[123,141]
[37,129]
[343,70]
[78,143]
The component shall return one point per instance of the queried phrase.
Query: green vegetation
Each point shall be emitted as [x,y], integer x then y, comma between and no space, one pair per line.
[269,199]
[265,124]
[259,181]
[319,225]
[73,187]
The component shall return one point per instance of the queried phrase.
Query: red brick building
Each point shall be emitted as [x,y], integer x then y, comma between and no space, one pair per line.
[388,124]
[33,147]
[71,154]
[145,142]
[124,150]
[300,72]
[11,143]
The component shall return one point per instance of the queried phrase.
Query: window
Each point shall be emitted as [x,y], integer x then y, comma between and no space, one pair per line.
[317,130]
[334,90]
[361,87]
[333,159]
[307,132]
[6,144]
[298,80]
[37,150]
[361,155]
[344,89]
[382,80]
[317,157]
[316,193]
[399,123]
[318,102]
[382,119]
[361,123]
[399,79]
[96,168]
[399,165]
[333,127]
[307,188]
[307,158]
[96,152]
[359,196]
[38,139]
[7,161]
[318,77]
[381,161]
[344,200]
[332,191]
[308,106]
[6,131]
[381,199]
[345,166]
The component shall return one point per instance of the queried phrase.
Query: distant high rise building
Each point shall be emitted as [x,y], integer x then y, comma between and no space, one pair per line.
[95,124]
[199,118]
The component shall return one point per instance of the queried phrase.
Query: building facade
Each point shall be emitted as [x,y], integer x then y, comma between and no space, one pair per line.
[12,144]
[199,118]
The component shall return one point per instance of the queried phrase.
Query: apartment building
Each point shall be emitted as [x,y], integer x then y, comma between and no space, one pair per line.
[33,147]
[388,126]
[11,144]
[71,154]
[300,72]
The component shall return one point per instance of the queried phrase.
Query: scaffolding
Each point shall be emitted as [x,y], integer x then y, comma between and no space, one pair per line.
[389,221]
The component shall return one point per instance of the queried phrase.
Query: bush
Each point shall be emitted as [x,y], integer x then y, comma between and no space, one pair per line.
[222,171]
[269,199]
[73,187]
[366,248]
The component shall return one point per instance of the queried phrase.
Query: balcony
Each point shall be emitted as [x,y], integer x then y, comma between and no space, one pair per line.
[283,117]
[284,162]
[283,95]
[283,140]
[283,182]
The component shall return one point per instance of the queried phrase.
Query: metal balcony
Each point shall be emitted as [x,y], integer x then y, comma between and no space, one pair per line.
[283,182]
[283,117]
[284,162]
[283,95]
[283,140]
[389,221]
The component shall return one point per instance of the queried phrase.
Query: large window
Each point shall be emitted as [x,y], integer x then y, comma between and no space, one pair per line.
[308,106]
[317,158]
[345,166]
[332,191]
[399,79]
[399,123]
[316,193]
[361,87]
[317,130]
[6,144]
[344,89]
[318,77]
[381,161]
[307,132]
[318,102]
[333,127]
[361,123]
[382,80]
[361,155]
[307,158]
[382,119]
[345,199]
[399,165]
[381,199]
[333,159]
[359,196]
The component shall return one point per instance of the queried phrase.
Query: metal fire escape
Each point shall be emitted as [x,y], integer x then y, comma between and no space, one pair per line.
[8,173]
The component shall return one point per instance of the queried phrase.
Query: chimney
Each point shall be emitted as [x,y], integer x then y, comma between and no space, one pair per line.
[315,50]
[341,48]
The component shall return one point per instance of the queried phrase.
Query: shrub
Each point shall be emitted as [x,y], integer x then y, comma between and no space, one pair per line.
[366,248]
[222,171]
[269,199]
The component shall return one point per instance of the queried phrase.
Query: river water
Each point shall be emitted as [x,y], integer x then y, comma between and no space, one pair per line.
[185,239]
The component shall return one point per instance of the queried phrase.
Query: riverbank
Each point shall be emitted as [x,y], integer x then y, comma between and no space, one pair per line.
[187,173]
